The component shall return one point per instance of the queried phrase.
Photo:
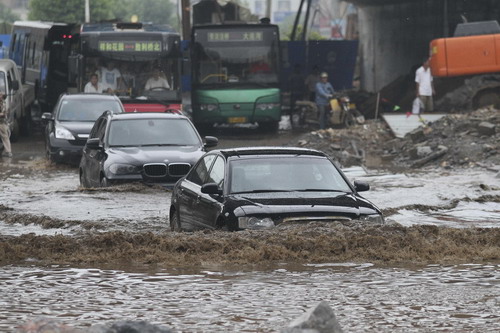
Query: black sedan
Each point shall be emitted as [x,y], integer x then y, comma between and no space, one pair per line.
[153,148]
[68,127]
[253,188]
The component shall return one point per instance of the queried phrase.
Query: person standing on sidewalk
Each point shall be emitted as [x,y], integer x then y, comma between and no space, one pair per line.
[324,92]
[4,128]
[425,86]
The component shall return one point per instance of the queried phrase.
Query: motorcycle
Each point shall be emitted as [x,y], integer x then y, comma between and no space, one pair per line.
[343,112]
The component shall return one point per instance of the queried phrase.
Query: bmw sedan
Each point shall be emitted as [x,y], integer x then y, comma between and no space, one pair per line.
[262,187]
[153,148]
[68,127]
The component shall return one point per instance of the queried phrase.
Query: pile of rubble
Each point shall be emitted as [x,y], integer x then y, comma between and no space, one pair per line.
[465,140]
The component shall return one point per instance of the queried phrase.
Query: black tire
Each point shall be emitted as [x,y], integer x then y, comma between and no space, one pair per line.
[14,136]
[83,183]
[27,124]
[349,119]
[104,182]
[175,221]
[270,127]
[49,156]
[485,98]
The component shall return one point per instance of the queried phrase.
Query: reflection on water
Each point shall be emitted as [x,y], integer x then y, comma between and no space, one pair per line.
[463,298]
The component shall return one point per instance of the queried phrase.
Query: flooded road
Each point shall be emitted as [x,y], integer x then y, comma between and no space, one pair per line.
[95,256]
[457,298]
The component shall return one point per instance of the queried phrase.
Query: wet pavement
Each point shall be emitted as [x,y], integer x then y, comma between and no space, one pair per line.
[41,203]
[456,298]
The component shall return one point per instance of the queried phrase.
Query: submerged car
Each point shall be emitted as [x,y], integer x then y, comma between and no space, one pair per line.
[153,148]
[262,187]
[69,125]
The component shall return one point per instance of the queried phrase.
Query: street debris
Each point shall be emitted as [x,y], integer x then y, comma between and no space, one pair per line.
[456,140]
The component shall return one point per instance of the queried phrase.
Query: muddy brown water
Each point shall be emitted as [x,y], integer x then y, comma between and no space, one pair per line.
[96,256]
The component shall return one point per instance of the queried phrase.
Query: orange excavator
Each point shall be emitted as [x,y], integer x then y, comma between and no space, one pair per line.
[473,53]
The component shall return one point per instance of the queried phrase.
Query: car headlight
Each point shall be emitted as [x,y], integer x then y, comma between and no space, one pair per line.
[124,169]
[63,133]
[267,106]
[208,107]
[255,222]
[373,218]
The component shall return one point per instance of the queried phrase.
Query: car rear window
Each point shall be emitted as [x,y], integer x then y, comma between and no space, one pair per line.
[86,109]
[152,132]
[280,173]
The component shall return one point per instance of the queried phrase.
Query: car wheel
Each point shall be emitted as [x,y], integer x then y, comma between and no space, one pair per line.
[175,222]
[83,183]
[104,182]
[49,156]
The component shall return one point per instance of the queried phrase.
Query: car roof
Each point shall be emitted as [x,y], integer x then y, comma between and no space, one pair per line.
[248,151]
[147,115]
[90,96]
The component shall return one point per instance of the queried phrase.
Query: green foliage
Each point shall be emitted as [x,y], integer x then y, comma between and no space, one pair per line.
[73,11]
[6,14]
[286,35]
[70,11]
[154,11]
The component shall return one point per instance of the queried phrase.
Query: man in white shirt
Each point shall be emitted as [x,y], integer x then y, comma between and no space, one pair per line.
[93,86]
[156,81]
[425,86]
[110,76]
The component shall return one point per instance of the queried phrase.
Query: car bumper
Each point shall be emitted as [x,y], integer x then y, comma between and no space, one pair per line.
[65,151]
[167,182]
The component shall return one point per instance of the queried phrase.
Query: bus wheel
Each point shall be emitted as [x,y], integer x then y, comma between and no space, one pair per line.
[14,135]
[26,123]
[271,126]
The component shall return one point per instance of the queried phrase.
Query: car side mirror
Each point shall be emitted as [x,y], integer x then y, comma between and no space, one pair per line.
[94,143]
[46,116]
[361,186]
[211,141]
[211,188]
[15,85]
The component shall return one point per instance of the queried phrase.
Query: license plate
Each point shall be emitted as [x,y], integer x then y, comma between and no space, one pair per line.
[236,120]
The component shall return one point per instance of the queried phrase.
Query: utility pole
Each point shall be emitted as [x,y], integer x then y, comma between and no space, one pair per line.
[186,19]
[87,11]
[269,4]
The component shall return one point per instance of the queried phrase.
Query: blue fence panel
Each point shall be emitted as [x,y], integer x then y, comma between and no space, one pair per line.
[337,58]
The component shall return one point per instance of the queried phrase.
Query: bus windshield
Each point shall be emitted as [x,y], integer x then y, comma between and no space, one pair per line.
[246,55]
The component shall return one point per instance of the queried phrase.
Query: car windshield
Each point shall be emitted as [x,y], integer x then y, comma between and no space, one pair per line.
[279,173]
[152,132]
[85,109]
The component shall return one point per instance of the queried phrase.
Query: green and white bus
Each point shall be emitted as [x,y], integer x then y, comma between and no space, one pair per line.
[235,75]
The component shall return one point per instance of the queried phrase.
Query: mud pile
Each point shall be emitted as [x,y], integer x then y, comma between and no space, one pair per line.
[349,146]
[464,140]
[314,242]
